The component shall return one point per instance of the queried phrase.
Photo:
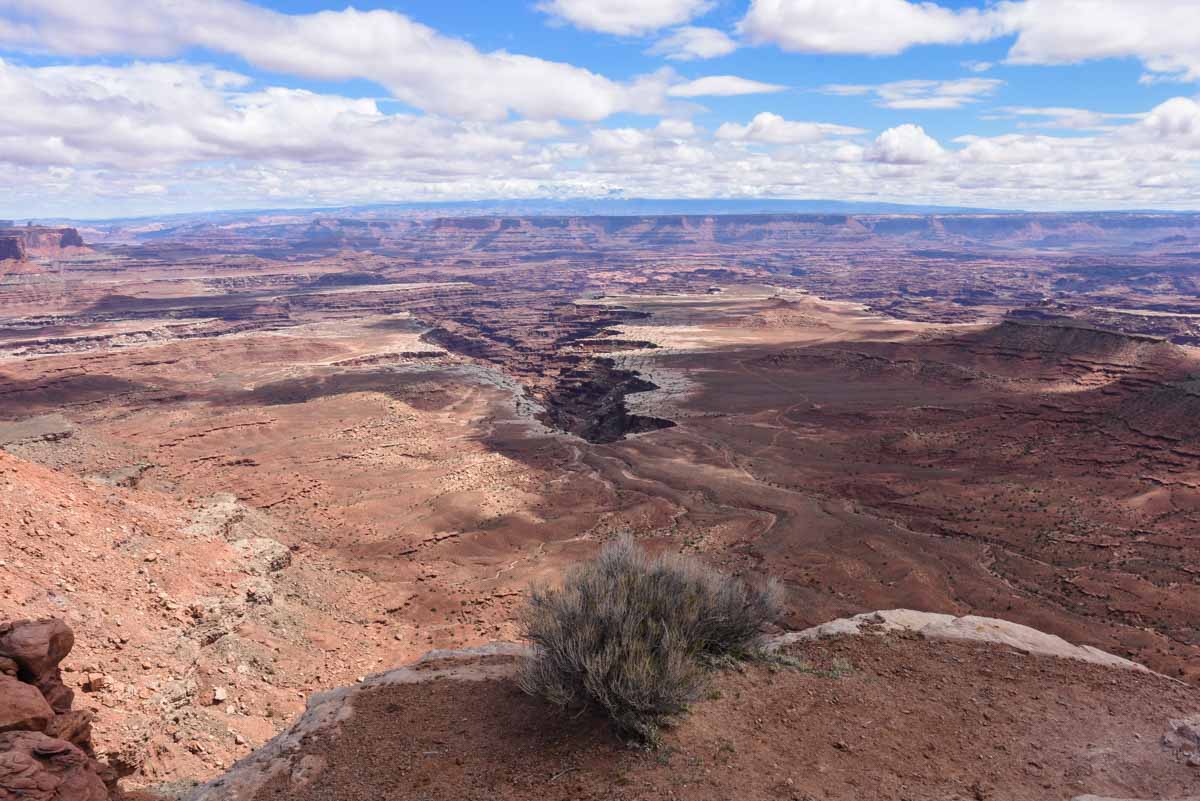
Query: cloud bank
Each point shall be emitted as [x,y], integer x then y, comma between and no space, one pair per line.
[123,123]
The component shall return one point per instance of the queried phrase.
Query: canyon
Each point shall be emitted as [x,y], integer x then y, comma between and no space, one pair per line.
[248,457]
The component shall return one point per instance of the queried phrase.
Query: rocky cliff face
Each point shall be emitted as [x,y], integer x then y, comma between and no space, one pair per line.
[46,751]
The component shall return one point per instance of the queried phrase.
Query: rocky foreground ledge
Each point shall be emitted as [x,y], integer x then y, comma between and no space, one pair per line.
[891,704]
[46,751]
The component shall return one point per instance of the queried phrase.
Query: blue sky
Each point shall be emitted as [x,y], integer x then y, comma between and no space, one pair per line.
[154,106]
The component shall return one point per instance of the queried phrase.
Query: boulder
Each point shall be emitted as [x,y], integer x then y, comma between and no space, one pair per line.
[22,707]
[37,646]
[36,767]
[95,682]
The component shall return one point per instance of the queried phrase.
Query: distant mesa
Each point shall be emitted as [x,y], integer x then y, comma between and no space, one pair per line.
[18,243]
[1065,337]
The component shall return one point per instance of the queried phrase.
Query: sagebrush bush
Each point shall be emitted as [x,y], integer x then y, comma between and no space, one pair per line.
[632,634]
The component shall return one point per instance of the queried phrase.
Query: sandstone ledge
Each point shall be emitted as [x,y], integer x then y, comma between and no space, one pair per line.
[326,711]
[936,626]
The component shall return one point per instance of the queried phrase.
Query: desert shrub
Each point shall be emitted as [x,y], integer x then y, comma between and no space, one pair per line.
[633,634]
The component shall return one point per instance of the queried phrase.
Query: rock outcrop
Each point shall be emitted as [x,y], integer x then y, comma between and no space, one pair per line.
[46,751]
[37,767]
[934,626]
[37,647]
[308,760]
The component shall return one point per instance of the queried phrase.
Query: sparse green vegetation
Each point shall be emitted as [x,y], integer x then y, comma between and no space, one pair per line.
[635,635]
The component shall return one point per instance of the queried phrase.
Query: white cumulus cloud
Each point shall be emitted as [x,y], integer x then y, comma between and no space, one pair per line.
[692,43]
[723,86]
[1163,34]
[921,94]
[625,17]
[145,115]
[414,62]
[1160,33]
[1177,121]
[768,128]
[905,144]
[877,27]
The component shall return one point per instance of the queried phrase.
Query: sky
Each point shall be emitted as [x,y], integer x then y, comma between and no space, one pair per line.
[142,107]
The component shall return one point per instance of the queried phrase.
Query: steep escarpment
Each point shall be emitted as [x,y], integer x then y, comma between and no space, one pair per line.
[1064,339]
[1017,351]
[1156,383]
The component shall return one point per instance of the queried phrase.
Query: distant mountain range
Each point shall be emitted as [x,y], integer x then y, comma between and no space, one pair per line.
[608,207]
[652,206]
[554,207]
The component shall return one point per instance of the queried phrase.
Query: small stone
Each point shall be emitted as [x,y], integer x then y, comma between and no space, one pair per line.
[94,682]
[220,695]
[239,739]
